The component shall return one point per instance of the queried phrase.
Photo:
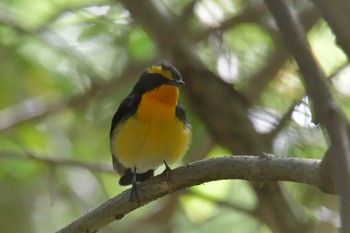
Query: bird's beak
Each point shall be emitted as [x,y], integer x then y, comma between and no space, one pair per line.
[176,82]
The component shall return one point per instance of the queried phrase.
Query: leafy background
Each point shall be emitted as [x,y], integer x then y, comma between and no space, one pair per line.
[65,67]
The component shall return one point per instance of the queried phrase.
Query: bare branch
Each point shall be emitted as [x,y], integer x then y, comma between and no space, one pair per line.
[266,168]
[38,108]
[275,62]
[187,12]
[94,167]
[326,108]
[338,71]
[283,121]
[252,14]
[336,13]
[286,117]
[54,41]
[161,217]
[226,204]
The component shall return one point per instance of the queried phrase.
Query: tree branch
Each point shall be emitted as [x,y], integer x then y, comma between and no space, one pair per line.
[265,168]
[336,13]
[161,217]
[38,108]
[225,203]
[260,80]
[282,122]
[96,167]
[287,116]
[326,108]
[251,15]
[187,12]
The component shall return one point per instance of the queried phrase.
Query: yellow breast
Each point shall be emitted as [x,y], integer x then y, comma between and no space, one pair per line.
[154,134]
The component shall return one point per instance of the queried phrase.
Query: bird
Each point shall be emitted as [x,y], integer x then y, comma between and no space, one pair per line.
[150,127]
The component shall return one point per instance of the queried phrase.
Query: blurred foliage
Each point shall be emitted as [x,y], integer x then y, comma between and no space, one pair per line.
[52,52]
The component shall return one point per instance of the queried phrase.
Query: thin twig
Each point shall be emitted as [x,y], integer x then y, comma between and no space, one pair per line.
[283,122]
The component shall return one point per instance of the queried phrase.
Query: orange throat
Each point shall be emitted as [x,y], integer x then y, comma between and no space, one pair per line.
[165,94]
[164,99]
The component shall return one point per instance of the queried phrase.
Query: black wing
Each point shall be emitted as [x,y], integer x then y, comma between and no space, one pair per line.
[126,109]
[182,116]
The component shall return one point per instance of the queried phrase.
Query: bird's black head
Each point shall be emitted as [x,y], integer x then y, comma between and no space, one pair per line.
[156,76]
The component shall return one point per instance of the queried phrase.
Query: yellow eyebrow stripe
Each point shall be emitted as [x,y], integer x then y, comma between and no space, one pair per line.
[159,70]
